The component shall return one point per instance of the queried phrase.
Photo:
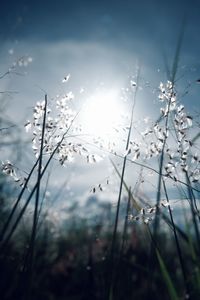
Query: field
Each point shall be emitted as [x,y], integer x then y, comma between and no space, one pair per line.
[99,200]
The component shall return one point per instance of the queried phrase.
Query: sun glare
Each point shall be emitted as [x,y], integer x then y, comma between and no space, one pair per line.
[102,113]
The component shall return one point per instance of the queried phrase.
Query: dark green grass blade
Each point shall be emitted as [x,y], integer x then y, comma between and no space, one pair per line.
[167,279]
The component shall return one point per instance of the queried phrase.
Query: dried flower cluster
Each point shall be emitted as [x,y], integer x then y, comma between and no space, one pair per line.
[147,214]
[9,169]
[172,137]
[182,156]
[179,152]
[59,121]
[60,134]
[21,62]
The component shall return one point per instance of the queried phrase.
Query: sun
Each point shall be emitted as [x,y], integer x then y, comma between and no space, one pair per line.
[102,113]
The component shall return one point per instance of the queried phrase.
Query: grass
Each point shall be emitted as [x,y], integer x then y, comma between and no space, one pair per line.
[142,251]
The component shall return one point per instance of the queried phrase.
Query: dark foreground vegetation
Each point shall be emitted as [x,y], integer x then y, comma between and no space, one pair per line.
[74,262]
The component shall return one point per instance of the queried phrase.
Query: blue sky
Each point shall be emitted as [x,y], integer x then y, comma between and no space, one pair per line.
[98,41]
[102,38]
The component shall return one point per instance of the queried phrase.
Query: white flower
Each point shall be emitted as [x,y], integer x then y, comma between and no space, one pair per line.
[133,83]
[27,126]
[8,169]
[66,78]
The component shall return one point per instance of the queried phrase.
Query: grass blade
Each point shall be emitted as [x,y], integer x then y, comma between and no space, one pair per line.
[170,287]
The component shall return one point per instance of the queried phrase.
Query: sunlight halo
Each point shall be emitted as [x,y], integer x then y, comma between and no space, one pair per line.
[102,113]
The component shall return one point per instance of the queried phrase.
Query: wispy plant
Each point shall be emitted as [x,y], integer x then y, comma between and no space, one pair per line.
[114,236]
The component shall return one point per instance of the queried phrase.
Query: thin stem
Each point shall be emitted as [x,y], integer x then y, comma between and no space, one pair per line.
[37,197]
[177,241]
[191,197]
[125,225]
[17,202]
[114,235]
[34,188]
[158,197]
[143,166]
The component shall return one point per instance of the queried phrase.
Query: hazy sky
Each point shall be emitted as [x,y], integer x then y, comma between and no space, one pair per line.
[98,43]
[100,39]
